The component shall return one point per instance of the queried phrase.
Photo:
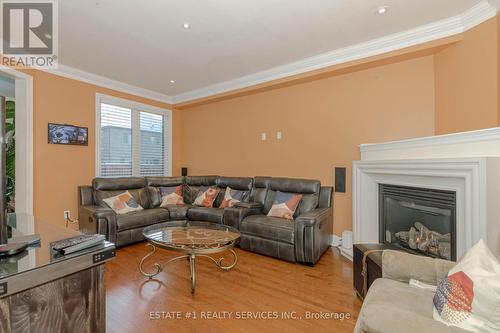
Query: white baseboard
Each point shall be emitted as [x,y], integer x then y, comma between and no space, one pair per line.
[335,240]
[347,253]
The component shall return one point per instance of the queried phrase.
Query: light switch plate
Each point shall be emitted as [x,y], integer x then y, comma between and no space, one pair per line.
[279,135]
[263,136]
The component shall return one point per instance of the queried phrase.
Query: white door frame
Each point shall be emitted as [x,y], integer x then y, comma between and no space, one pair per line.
[24,138]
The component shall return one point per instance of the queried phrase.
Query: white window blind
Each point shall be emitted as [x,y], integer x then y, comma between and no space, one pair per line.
[151,150]
[132,141]
[116,141]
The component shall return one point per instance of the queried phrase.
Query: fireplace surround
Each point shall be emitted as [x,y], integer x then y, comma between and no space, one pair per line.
[467,164]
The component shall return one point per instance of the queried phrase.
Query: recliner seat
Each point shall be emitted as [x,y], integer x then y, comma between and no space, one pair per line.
[303,239]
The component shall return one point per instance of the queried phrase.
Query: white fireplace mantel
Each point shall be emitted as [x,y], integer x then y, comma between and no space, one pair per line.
[471,169]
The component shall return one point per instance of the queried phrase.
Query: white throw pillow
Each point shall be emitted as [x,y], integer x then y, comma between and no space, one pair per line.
[123,203]
[469,297]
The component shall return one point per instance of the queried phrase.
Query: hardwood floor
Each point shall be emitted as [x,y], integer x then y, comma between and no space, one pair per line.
[258,285]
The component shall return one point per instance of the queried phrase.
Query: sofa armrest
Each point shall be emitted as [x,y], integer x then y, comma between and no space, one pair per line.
[314,216]
[312,235]
[402,266]
[97,219]
[249,205]
[325,196]
[234,215]
[85,195]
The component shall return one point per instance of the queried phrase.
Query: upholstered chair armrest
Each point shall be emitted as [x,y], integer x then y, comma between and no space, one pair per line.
[249,205]
[402,266]
[234,215]
[312,235]
[97,219]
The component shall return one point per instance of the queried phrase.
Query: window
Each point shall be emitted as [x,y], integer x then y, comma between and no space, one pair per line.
[133,139]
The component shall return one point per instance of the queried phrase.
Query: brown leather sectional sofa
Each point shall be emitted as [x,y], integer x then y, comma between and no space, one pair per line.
[303,239]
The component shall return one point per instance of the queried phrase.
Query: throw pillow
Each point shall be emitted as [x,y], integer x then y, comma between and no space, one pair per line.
[123,203]
[231,197]
[206,196]
[284,205]
[171,195]
[469,297]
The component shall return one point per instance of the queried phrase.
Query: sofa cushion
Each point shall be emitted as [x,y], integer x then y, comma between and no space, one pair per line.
[206,214]
[284,205]
[206,196]
[164,181]
[235,183]
[171,195]
[154,184]
[469,297]
[193,184]
[232,196]
[308,188]
[141,218]
[119,183]
[267,227]
[394,307]
[141,195]
[123,203]
[178,212]
[108,187]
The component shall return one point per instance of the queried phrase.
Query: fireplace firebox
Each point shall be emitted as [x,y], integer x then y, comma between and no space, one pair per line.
[418,220]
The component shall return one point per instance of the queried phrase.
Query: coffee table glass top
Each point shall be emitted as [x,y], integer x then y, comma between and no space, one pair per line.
[189,235]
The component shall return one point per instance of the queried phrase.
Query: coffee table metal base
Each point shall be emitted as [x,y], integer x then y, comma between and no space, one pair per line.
[219,262]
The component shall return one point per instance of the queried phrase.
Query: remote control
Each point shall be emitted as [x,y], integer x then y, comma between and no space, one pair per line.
[77,243]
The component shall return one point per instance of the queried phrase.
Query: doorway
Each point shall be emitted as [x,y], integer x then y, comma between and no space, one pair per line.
[23,129]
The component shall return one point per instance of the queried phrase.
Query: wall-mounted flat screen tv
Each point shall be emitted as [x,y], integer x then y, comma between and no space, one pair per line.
[68,135]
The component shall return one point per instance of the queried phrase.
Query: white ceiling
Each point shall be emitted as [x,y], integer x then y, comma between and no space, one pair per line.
[143,43]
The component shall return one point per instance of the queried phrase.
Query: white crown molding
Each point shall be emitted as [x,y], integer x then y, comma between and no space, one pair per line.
[481,12]
[489,134]
[426,33]
[423,34]
[101,81]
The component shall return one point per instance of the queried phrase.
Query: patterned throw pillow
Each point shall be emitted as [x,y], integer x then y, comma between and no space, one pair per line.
[231,197]
[206,196]
[284,205]
[171,195]
[123,203]
[469,297]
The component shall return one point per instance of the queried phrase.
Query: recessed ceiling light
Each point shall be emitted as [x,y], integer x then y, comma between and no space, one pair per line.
[172,81]
[382,10]
[186,26]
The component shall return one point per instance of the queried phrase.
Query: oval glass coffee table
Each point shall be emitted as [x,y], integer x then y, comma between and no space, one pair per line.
[194,239]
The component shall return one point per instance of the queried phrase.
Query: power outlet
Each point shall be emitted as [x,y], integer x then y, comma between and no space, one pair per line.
[67,214]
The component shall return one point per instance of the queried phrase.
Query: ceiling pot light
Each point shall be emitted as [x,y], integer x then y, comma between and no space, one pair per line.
[186,25]
[172,81]
[382,10]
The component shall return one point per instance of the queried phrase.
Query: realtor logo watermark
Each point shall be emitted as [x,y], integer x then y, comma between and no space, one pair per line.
[29,33]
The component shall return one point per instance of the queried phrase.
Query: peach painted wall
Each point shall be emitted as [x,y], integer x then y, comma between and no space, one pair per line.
[322,121]
[59,169]
[467,81]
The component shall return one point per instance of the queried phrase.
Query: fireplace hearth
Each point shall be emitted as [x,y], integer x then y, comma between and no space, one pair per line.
[418,220]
